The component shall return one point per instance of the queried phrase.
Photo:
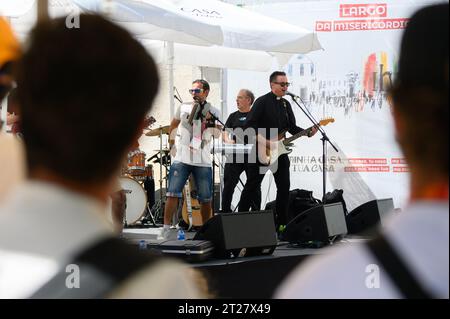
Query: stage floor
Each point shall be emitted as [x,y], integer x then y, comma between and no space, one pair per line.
[244,277]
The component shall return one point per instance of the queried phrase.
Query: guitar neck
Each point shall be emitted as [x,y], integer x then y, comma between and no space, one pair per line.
[296,136]
[188,198]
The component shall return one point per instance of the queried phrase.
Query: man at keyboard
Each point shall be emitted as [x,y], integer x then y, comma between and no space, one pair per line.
[236,164]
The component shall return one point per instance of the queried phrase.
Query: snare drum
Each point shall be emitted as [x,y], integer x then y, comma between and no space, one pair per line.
[136,163]
[136,200]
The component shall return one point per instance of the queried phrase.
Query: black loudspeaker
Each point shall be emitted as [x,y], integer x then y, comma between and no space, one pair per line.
[240,234]
[316,224]
[364,218]
[300,200]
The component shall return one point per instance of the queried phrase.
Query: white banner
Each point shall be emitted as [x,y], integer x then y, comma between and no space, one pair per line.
[346,81]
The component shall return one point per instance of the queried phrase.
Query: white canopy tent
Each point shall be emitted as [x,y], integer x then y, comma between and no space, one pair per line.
[251,40]
[158,20]
[242,39]
[245,29]
[246,41]
[211,56]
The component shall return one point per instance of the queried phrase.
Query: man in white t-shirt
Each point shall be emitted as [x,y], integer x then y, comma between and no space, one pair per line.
[417,240]
[191,153]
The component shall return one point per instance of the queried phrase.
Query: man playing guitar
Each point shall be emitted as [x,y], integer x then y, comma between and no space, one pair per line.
[272,114]
[191,153]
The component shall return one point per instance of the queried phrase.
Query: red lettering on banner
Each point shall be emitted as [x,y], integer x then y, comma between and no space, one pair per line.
[372,10]
[398,161]
[401,169]
[364,25]
[365,161]
[367,169]
[324,26]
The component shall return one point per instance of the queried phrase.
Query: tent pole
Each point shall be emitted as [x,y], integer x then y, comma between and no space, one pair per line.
[224,115]
[42,10]
[170,59]
[224,92]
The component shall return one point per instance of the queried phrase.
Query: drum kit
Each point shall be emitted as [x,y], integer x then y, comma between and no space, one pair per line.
[137,183]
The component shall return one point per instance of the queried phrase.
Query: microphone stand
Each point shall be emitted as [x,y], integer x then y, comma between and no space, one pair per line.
[324,140]
[213,201]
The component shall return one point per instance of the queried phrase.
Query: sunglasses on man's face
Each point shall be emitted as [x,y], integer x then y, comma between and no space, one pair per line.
[283,84]
[196,91]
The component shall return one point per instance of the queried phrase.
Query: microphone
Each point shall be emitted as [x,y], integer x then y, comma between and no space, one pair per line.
[177,95]
[292,95]
[177,98]
[212,120]
[214,117]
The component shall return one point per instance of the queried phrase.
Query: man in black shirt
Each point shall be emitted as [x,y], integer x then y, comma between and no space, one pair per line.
[236,165]
[271,115]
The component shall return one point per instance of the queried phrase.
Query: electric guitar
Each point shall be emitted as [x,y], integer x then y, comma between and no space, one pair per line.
[269,154]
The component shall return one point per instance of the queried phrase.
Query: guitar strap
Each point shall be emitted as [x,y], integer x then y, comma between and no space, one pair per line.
[103,267]
[397,269]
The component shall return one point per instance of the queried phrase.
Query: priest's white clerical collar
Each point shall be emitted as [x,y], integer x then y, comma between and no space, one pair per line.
[278,98]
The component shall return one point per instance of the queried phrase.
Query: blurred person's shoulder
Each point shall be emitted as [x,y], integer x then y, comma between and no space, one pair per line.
[419,235]
[141,274]
[340,272]
[162,279]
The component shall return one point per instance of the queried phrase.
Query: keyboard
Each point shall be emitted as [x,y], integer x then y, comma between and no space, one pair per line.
[233,148]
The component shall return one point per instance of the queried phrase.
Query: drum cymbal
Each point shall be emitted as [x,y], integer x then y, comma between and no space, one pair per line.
[159,130]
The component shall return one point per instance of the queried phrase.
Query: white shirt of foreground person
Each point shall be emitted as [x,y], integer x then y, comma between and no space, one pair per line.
[420,235]
[42,228]
[184,151]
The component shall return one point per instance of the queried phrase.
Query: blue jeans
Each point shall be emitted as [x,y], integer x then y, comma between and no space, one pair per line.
[179,174]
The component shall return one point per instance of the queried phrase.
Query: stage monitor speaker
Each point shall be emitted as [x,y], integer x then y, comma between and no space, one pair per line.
[240,234]
[316,224]
[365,218]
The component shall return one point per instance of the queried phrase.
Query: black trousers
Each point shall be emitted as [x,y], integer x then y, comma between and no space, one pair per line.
[231,179]
[281,174]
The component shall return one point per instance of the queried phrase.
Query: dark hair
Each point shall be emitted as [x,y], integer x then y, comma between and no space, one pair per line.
[275,74]
[5,69]
[420,92]
[83,93]
[249,95]
[13,101]
[205,84]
